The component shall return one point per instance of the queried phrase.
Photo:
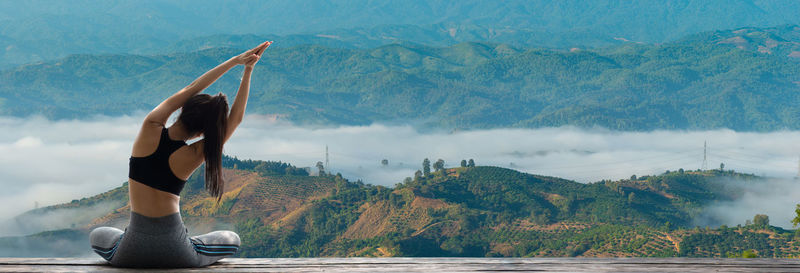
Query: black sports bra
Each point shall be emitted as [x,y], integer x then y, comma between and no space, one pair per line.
[153,170]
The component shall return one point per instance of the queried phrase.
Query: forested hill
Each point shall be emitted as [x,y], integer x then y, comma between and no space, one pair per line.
[698,83]
[280,211]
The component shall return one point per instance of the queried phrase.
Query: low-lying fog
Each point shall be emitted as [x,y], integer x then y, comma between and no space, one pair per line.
[46,162]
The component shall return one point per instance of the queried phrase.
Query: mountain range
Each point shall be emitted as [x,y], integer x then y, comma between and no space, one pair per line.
[744,79]
[40,30]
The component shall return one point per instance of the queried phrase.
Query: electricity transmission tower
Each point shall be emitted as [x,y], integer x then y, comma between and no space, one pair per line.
[705,156]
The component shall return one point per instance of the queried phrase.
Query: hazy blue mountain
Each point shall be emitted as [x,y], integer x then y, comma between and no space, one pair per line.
[780,41]
[46,29]
[692,84]
[433,35]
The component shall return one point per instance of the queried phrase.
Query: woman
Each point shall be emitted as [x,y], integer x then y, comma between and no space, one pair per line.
[159,166]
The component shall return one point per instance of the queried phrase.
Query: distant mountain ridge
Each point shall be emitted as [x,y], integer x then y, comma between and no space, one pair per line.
[780,41]
[38,30]
[467,211]
[703,82]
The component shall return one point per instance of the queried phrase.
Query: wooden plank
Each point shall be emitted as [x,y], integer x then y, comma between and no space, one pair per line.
[426,265]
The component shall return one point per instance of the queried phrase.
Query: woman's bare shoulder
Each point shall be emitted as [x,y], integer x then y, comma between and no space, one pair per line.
[147,140]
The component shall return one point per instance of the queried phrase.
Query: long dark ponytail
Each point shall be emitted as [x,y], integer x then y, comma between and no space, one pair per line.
[208,115]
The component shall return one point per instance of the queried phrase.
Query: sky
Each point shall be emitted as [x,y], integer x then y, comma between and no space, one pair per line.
[47,162]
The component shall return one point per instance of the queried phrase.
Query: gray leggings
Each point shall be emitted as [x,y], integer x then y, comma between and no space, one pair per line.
[161,242]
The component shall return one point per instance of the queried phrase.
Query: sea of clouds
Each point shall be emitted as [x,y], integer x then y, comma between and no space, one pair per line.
[45,162]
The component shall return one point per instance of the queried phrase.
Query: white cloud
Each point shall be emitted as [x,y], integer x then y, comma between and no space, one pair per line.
[56,161]
[582,155]
[774,197]
[51,162]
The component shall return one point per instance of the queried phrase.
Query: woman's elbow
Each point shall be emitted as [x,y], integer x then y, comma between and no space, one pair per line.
[154,119]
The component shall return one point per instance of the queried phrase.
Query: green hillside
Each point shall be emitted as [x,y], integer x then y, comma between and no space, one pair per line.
[280,211]
[491,211]
[700,83]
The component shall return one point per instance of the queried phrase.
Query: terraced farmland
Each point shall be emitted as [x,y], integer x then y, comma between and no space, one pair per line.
[276,196]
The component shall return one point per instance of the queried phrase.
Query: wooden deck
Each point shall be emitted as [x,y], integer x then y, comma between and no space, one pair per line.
[428,265]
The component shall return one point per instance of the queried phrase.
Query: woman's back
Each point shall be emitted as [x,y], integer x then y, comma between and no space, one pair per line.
[160,164]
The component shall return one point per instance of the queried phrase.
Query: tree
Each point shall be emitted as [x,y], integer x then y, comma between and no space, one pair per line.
[471,163]
[749,254]
[439,165]
[745,254]
[426,167]
[666,227]
[417,175]
[633,177]
[321,168]
[631,198]
[385,162]
[463,163]
[795,221]
[761,220]
[680,170]
[721,166]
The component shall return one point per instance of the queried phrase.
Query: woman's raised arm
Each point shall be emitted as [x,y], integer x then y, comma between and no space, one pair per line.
[240,103]
[161,113]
